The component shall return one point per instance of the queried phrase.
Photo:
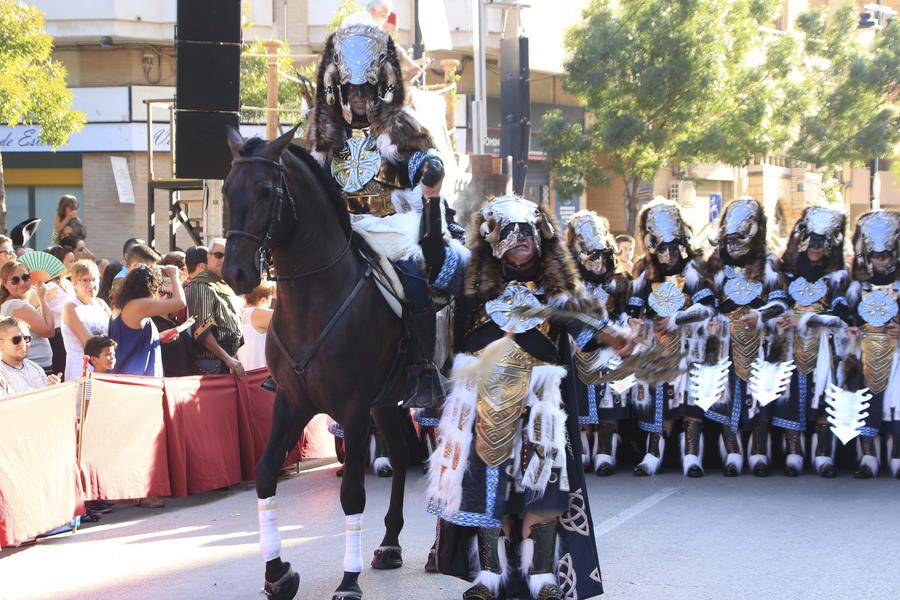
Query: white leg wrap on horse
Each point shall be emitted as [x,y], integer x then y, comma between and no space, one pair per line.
[269,538]
[352,544]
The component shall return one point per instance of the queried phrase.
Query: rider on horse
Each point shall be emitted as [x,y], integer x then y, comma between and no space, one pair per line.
[384,161]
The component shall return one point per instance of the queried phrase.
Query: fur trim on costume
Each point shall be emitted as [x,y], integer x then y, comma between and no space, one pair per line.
[558,275]
[380,462]
[871,462]
[447,465]
[821,461]
[755,259]
[756,459]
[387,148]
[546,428]
[608,459]
[772,277]
[495,581]
[794,462]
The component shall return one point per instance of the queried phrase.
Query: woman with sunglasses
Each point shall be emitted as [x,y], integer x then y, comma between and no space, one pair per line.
[84,317]
[30,308]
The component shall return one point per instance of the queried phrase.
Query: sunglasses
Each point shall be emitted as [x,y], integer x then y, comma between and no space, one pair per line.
[17,339]
[219,255]
[15,279]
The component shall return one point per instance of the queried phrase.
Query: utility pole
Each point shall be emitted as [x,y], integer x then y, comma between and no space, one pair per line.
[418,47]
[479,102]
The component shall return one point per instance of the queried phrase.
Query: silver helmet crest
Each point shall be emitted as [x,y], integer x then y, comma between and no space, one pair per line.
[508,217]
[360,57]
[590,240]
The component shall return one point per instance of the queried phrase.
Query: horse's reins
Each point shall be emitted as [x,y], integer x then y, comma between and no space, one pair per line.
[279,189]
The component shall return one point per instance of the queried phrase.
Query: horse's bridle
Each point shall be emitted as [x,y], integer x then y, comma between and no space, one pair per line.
[280,190]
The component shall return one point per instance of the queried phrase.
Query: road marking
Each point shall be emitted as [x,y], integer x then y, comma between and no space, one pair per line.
[648,502]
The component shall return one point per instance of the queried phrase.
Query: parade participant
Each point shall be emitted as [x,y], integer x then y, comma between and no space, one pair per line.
[873,298]
[672,294]
[507,466]
[813,267]
[600,407]
[384,161]
[750,292]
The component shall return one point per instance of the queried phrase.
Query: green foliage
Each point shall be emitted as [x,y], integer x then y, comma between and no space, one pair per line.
[677,82]
[570,155]
[32,85]
[853,112]
[254,67]
[344,9]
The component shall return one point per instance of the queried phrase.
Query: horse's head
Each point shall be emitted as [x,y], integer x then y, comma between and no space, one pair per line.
[260,209]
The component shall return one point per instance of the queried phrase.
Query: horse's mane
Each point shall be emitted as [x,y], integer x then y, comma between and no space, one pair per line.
[254,144]
[328,184]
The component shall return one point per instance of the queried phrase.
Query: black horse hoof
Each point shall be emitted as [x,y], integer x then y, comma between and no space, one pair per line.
[387,557]
[285,588]
[339,473]
[347,596]
[385,471]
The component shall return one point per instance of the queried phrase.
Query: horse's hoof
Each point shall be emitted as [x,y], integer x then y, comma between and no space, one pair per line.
[385,471]
[283,589]
[387,557]
[339,473]
[347,595]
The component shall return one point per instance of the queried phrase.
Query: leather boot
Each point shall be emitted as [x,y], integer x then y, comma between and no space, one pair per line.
[895,455]
[733,454]
[653,458]
[793,464]
[868,464]
[824,458]
[541,577]
[425,385]
[490,576]
[759,448]
[269,385]
[692,448]
[606,449]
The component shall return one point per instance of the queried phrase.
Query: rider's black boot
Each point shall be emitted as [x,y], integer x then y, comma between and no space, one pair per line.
[425,385]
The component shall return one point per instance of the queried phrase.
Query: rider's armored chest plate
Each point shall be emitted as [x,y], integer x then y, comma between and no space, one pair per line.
[357,163]
[502,309]
[878,306]
[805,293]
[667,298]
[739,289]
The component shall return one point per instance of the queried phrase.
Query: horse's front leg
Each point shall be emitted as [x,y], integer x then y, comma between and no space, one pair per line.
[287,424]
[353,501]
[390,422]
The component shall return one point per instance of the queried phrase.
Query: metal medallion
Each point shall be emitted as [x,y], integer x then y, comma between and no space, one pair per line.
[357,163]
[501,310]
[666,298]
[742,291]
[806,292]
[877,308]
[598,292]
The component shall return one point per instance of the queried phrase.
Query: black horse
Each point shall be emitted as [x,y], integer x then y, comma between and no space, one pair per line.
[334,345]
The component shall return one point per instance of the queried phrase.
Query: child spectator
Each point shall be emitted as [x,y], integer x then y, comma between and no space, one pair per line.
[67,223]
[101,351]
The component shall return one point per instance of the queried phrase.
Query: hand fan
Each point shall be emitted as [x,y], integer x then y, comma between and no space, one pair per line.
[42,266]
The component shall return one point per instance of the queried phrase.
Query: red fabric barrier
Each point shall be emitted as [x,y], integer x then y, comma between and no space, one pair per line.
[124,450]
[39,484]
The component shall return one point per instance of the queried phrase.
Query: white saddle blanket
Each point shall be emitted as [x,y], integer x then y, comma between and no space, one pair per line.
[386,277]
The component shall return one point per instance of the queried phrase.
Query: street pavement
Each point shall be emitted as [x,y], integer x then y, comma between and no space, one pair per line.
[665,537]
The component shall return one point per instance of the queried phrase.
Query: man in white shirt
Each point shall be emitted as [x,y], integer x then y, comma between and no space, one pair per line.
[19,373]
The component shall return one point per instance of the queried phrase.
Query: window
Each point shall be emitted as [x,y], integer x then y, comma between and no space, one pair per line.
[25,202]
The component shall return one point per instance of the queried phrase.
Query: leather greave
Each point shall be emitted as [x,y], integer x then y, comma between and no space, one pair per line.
[760,437]
[824,439]
[792,442]
[653,443]
[544,537]
[605,431]
[732,446]
[692,432]
[895,451]
[868,445]
[488,550]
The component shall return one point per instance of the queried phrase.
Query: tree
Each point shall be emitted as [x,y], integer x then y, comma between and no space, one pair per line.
[854,109]
[32,85]
[254,87]
[674,82]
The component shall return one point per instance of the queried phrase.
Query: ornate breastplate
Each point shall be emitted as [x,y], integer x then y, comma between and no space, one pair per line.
[745,342]
[666,297]
[501,397]
[877,307]
[598,292]
[807,297]
[738,288]
[366,180]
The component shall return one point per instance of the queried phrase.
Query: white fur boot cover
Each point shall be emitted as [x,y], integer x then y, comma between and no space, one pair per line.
[535,582]
[894,462]
[731,458]
[494,581]
[269,538]
[609,459]
[651,464]
[691,460]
